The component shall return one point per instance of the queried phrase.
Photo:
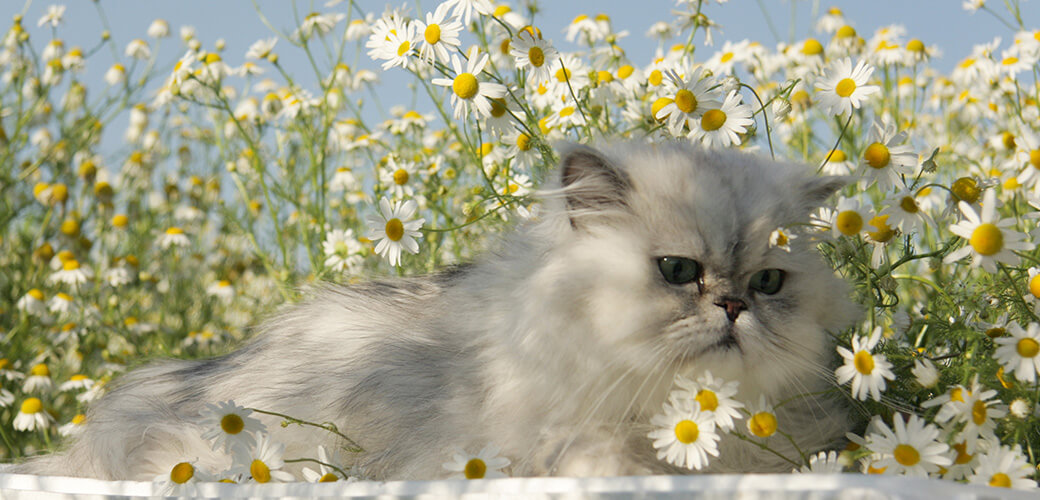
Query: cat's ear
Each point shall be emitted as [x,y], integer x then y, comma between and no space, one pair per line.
[592,184]
[816,191]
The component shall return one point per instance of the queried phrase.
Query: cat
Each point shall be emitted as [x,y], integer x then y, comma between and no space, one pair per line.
[645,261]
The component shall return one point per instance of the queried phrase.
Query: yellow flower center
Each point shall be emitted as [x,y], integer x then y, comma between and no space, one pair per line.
[863,362]
[174,231]
[394,229]
[70,265]
[877,155]
[963,456]
[1007,139]
[77,377]
[987,239]
[604,76]
[884,233]
[1027,348]
[909,205]
[32,406]
[465,85]
[686,431]
[995,332]
[655,77]
[845,87]
[64,296]
[685,101]
[523,142]
[978,413]
[781,239]
[915,45]
[563,74]
[838,156]
[260,471]
[79,419]
[708,400]
[120,220]
[400,176]
[1000,480]
[658,104]
[713,119]
[1008,61]
[1034,286]
[498,107]
[40,370]
[212,58]
[232,423]
[432,34]
[812,47]
[567,111]
[536,56]
[36,294]
[328,478]
[966,189]
[625,71]
[1034,158]
[845,32]
[762,424]
[475,469]
[849,222]
[182,472]
[906,455]
[403,48]
[957,394]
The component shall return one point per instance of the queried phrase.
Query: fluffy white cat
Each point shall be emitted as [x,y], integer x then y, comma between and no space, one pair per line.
[558,347]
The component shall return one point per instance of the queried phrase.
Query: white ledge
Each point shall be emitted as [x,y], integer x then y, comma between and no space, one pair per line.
[713,487]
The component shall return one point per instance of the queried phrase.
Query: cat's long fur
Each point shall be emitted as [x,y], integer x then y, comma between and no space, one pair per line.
[558,348]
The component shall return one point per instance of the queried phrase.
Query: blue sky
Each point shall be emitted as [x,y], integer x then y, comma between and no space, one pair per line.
[942,23]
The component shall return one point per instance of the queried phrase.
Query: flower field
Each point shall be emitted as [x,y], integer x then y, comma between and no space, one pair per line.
[239,182]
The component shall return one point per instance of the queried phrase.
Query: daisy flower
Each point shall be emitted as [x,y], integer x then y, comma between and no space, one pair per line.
[392,229]
[847,218]
[32,303]
[824,462]
[866,370]
[925,373]
[537,56]
[714,396]
[261,49]
[466,89]
[989,240]
[116,74]
[75,426]
[263,462]
[885,158]
[77,382]
[396,176]
[181,481]
[692,97]
[844,87]
[342,251]
[397,46]
[71,273]
[1004,467]
[61,303]
[905,212]
[137,49]
[32,416]
[979,414]
[222,290]
[465,8]
[6,398]
[159,29]
[318,23]
[173,237]
[53,16]
[963,462]
[39,379]
[440,35]
[837,163]
[564,117]
[684,435]
[1020,352]
[762,421]
[781,238]
[722,127]
[912,448]
[324,474]
[342,180]
[229,426]
[484,465]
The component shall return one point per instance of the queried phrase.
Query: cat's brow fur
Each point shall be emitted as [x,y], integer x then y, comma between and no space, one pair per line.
[558,346]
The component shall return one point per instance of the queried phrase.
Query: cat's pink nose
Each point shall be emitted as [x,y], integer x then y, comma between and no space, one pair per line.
[732,305]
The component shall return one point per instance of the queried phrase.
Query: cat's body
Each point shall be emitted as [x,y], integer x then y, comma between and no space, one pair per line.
[558,349]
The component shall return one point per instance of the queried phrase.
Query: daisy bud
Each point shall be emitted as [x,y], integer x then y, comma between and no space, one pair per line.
[781,108]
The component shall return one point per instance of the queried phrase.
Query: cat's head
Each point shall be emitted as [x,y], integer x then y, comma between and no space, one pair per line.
[665,253]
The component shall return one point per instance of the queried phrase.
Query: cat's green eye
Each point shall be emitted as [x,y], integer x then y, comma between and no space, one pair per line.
[767,281]
[679,270]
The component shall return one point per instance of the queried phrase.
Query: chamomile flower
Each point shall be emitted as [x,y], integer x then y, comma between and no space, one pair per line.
[39,379]
[847,218]
[440,35]
[159,29]
[71,273]
[173,237]
[262,462]
[6,398]
[393,229]
[221,289]
[714,396]
[824,462]
[53,16]
[261,49]
[692,97]
[866,370]
[844,87]
[325,473]
[925,373]
[466,89]
[32,416]
[229,426]
[979,414]
[484,465]
[1020,352]
[781,238]
[1004,467]
[396,177]
[989,240]
[464,9]
[33,303]
[886,158]
[397,46]
[684,435]
[181,481]
[317,23]
[537,56]
[75,426]
[77,382]
[762,419]
[911,448]
[722,127]
[61,303]
[342,251]
[116,74]
[137,49]
[905,212]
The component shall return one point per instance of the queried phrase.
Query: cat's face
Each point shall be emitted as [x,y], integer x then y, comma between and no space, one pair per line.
[671,250]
